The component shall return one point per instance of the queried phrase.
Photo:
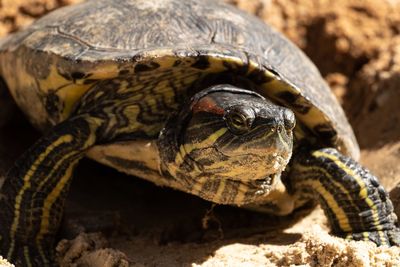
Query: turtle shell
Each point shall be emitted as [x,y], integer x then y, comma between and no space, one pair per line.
[164,45]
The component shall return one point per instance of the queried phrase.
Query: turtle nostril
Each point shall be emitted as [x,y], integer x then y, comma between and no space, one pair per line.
[289,120]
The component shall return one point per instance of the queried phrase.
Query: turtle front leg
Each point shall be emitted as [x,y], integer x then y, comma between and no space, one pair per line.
[33,194]
[356,205]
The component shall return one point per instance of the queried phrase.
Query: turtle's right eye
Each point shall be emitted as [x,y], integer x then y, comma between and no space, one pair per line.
[239,119]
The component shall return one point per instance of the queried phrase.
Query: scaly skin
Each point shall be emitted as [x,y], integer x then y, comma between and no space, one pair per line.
[356,205]
[35,190]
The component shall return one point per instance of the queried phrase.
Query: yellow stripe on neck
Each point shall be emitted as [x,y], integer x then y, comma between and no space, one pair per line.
[187,148]
[207,142]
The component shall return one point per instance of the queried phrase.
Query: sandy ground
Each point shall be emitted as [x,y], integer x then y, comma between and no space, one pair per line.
[355,44]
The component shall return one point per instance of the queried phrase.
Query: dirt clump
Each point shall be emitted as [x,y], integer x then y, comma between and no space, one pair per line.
[89,250]
[318,248]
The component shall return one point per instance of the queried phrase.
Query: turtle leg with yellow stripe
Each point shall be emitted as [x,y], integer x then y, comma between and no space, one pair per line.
[35,190]
[356,205]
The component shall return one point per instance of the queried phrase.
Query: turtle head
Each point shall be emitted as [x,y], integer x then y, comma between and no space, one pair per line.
[231,145]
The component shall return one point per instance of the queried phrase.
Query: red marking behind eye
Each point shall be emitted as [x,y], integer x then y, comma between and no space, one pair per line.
[207,104]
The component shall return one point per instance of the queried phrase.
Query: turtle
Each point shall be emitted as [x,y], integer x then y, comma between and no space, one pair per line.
[193,95]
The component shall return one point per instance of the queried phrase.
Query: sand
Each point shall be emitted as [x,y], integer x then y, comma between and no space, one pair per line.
[356,46]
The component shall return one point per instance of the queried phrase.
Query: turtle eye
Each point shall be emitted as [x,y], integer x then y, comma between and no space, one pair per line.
[239,120]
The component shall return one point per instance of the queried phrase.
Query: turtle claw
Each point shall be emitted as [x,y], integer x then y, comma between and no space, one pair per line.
[380,238]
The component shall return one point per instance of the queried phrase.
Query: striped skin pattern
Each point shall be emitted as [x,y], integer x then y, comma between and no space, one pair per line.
[35,190]
[212,160]
[356,205]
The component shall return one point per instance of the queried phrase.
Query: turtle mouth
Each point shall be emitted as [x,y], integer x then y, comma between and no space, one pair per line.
[262,187]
